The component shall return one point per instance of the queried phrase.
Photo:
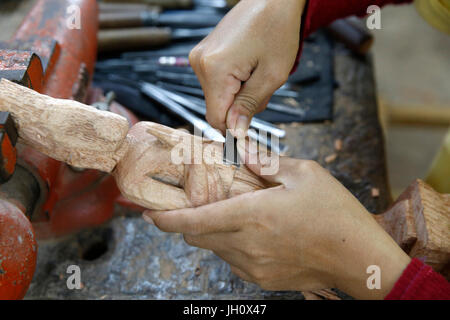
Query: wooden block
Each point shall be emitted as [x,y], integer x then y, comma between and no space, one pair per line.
[420,223]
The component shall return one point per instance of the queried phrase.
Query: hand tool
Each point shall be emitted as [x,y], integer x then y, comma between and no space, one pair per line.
[166,4]
[144,38]
[125,7]
[154,93]
[192,81]
[219,4]
[106,104]
[199,93]
[199,106]
[177,19]
[230,152]
[175,49]
[256,123]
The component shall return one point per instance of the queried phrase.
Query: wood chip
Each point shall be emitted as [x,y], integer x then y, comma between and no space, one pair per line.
[375,192]
[331,158]
[327,294]
[338,144]
[311,296]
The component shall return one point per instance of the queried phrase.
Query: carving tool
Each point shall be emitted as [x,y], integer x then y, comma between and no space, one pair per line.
[154,93]
[199,106]
[199,93]
[145,38]
[146,18]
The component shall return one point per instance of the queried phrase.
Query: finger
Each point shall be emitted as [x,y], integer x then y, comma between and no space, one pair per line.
[223,216]
[220,83]
[270,166]
[219,96]
[241,274]
[251,99]
[213,242]
[237,261]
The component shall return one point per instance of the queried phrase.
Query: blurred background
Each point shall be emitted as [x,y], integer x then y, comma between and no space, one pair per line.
[412,66]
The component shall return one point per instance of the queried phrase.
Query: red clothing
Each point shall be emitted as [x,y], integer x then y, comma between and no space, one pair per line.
[320,13]
[418,281]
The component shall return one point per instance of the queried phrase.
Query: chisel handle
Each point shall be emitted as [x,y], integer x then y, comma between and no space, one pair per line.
[166,4]
[358,39]
[125,7]
[126,19]
[133,39]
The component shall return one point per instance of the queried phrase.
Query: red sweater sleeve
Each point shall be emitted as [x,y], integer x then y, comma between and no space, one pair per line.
[320,13]
[419,282]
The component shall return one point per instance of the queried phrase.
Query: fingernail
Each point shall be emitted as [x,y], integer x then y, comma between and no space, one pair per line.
[148,219]
[252,147]
[241,148]
[240,131]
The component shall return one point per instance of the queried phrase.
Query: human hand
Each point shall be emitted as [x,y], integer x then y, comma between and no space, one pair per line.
[309,233]
[246,59]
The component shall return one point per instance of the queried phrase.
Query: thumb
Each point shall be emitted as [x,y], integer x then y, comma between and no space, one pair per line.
[251,99]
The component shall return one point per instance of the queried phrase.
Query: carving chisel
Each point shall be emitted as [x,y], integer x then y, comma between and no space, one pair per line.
[147,18]
[199,93]
[259,137]
[199,106]
[145,38]
[155,93]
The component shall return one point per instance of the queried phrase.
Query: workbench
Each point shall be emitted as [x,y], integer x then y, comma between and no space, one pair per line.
[130,259]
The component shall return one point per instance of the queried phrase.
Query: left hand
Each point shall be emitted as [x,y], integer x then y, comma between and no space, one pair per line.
[309,233]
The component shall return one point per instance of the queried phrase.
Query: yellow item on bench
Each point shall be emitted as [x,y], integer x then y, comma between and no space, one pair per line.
[439,175]
[436,13]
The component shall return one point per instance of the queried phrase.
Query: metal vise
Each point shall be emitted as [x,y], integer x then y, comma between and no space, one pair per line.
[45,54]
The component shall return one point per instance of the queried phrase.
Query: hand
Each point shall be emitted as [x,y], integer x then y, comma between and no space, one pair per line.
[246,59]
[308,233]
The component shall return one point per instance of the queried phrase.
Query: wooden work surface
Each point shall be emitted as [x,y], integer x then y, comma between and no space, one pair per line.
[127,258]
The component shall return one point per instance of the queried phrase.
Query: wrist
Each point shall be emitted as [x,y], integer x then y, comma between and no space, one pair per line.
[376,265]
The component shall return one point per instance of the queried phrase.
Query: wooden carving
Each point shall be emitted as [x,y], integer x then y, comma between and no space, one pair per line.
[420,223]
[149,176]
[65,130]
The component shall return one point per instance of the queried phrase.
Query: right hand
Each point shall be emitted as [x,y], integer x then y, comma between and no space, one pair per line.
[246,59]
[308,233]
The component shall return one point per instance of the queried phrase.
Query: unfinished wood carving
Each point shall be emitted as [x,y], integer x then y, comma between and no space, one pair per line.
[149,176]
[65,130]
[84,137]
[420,223]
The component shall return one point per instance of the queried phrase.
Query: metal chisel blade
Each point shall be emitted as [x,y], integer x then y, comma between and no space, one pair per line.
[230,152]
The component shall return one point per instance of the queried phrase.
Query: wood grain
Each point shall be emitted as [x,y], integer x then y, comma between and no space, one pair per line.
[420,223]
[153,174]
[141,158]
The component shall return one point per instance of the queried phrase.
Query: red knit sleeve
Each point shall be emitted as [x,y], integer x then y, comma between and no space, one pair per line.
[419,282]
[320,13]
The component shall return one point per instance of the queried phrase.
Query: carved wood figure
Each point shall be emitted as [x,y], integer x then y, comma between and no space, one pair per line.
[141,160]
